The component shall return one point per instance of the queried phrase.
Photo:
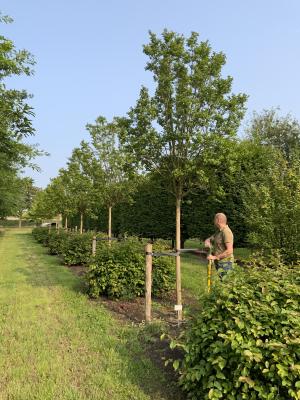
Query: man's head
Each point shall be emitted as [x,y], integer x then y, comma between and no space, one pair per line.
[220,220]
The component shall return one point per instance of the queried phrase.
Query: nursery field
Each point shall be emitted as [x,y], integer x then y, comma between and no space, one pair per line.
[102,297]
[57,344]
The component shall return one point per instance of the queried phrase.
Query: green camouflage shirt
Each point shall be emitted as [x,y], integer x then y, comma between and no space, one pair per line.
[219,240]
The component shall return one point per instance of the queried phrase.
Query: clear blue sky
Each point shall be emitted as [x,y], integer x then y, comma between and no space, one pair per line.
[90,60]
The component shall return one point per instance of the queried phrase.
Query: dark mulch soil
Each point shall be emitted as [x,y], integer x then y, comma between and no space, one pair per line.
[133,311]
[79,270]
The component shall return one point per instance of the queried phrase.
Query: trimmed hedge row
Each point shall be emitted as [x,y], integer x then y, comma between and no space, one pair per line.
[41,235]
[245,343]
[115,271]
[75,249]
[119,270]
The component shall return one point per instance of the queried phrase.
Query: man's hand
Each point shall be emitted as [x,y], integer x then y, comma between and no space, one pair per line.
[211,257]
[207,243]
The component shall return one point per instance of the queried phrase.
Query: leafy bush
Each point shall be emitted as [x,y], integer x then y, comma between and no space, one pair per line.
[116,271]
[77,248]
[119,271]
[272,209]
[245,343]
[41,235]
[56,241]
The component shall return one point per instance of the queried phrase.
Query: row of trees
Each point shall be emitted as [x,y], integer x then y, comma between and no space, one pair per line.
[191,117]
[16,192]
[178,150]
[237,186]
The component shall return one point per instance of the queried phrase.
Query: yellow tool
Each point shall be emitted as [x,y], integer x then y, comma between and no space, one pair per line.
[209,268]
[209,265]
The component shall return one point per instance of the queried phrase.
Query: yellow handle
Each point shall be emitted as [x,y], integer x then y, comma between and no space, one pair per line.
[209,275]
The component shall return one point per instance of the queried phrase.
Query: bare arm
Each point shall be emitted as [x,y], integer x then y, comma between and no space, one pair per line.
[228,252]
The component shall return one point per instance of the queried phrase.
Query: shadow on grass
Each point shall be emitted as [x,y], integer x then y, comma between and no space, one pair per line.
[43,269]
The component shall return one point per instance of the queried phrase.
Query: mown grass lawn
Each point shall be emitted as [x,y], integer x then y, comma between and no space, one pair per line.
[194,269]
[56,344]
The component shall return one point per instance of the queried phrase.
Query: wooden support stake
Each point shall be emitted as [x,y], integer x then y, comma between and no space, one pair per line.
[109,226]
[81,224]
[148,285]
[94,244]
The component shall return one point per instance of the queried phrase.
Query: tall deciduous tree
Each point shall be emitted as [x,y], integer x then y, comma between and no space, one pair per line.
[110,161]
[60,198]
[24,196]
[15,119]
[188,119]
[78,181]
[272,207]
[282,132]
[42,207]
[16,195]
[15,112]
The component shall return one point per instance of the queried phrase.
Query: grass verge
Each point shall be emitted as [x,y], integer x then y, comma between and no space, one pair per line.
[56,344]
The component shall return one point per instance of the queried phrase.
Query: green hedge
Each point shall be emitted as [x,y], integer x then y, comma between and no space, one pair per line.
[116,271]
[245,343]
[119,271]
[77,249]
[56,240]
[41,235]
[15,223]
[74,248]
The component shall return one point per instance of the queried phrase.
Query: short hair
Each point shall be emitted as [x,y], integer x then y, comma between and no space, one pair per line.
[221,217]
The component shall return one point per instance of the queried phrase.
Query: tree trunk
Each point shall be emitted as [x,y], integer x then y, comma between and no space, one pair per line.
[109,225]
[20,222]
[81,223]
[178,264]
[66,223]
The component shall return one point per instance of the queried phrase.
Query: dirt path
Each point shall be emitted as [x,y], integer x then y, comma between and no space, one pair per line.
[55,344]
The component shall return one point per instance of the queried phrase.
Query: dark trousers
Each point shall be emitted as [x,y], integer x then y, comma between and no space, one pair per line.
[223,267]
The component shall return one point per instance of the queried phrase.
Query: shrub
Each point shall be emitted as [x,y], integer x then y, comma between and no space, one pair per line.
[245,343]
[119,271]
[76,249]
[56,241]
[40,235]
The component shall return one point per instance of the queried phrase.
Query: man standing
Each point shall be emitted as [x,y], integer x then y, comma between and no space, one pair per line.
[221,244]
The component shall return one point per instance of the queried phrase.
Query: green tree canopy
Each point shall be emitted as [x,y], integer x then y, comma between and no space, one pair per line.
[15,119]
[15,112]
[281,132]
[110,161]
[188,120]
